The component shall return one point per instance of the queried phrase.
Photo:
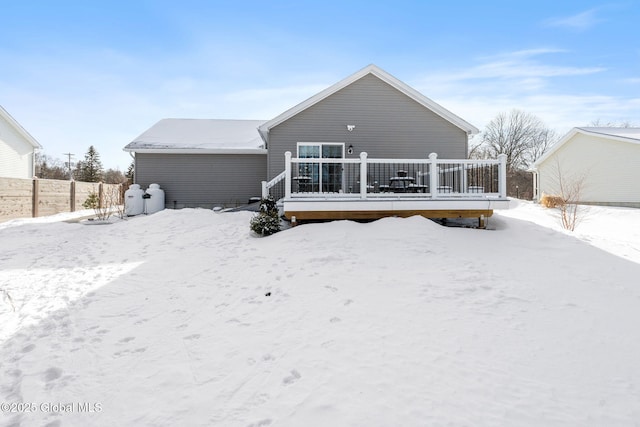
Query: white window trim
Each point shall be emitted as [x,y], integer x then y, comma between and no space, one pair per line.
[320,144]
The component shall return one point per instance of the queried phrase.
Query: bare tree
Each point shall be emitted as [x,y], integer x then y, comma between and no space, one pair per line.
[114,176]
[569,190]
[522,136]
[111,201]
[48,167]
[545,139]
[620,124]
[478,150]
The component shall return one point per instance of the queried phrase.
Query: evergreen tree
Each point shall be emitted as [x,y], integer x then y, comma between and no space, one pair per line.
[91,168]
[130,171]
[77,172]
[267,221]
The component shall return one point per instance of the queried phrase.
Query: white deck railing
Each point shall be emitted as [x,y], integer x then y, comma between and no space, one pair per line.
[367,178]
[274,188]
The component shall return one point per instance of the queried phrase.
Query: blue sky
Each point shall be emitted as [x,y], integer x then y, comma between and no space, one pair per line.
[77,73]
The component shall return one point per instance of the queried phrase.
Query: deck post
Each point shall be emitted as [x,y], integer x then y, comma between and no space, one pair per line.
[463,179]
[363,175]
[433,175]
[265,190]
[287,175]
[502,188]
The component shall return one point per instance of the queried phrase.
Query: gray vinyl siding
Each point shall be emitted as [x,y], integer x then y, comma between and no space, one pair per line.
[203,180]
[388,123]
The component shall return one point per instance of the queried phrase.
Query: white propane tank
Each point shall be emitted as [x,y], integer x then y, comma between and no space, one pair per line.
[133,203]
[155,203]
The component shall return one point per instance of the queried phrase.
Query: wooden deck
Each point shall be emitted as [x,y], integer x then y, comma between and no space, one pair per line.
[334,214]
[301,209]
[367,189]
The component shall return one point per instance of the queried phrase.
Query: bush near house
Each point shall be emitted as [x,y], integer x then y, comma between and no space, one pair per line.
[267,221]
[549,201]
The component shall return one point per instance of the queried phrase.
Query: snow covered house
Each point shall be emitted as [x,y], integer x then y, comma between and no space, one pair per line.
[604,162]
[368,146]
[17,149]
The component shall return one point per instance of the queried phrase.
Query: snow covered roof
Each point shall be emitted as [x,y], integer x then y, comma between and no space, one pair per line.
[631,135]
[200,136]
[385,77]
[18,128]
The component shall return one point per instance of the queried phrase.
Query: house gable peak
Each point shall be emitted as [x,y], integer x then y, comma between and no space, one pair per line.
[18,128]
[631,135]
[385,77]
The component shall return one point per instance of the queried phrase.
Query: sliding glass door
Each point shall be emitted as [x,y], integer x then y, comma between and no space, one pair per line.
[323,177]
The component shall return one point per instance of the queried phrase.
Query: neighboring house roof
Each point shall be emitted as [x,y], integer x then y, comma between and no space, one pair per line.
[200,136]
[631,135]
[382,75]
[19,129]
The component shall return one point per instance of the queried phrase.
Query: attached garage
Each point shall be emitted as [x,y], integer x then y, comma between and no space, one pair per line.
[202,163]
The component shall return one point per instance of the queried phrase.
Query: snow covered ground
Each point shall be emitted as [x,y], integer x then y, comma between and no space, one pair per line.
[164,320]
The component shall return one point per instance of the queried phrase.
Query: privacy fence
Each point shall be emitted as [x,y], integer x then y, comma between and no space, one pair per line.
[25,198]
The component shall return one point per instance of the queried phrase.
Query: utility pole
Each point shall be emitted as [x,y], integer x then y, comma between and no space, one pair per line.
[69,155]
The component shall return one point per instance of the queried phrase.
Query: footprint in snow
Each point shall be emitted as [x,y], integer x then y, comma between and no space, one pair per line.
[52,374]
[28,348]
[126,352]
[295,376]
[192,337]
[261,423]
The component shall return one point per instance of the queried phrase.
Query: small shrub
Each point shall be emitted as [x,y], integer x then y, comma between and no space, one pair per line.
[269,207]
[92,201]
[267,221]
[265,225]
[110,202]
[551,201]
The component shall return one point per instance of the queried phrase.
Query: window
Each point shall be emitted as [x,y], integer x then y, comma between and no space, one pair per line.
[322,177]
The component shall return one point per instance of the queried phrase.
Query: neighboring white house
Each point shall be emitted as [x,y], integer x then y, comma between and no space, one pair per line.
[604,160]
[17,148]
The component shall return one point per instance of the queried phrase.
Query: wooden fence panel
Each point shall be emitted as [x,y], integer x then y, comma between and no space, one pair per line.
[16,198]
[53,197]
[83,189]
[25,198]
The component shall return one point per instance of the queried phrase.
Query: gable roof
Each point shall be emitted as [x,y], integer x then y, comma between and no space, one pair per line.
[631,135]
[18,128]
[385,77]
[200,136]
